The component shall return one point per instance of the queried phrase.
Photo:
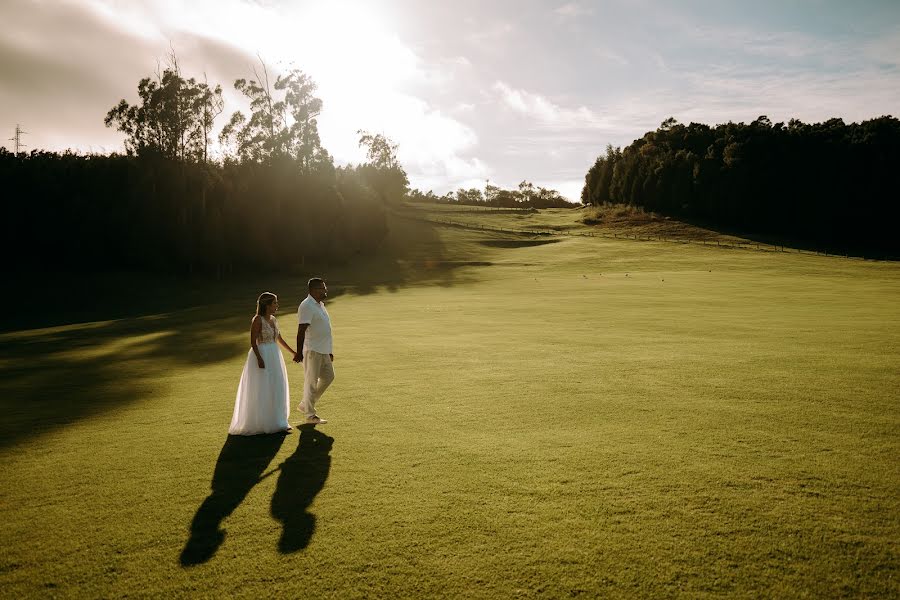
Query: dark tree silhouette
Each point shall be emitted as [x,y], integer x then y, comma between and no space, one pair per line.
[830,184]
[276,203]
[173,119]
[278,129]
[526,196]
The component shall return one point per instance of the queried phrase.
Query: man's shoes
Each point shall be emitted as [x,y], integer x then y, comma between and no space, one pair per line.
[315,420]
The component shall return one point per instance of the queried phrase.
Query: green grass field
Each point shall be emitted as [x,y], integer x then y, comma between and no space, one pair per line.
[511,418]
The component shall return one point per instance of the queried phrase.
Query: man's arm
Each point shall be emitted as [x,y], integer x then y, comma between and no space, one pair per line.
[301,335]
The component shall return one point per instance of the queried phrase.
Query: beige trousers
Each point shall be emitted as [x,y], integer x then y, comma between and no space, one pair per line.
[318,373]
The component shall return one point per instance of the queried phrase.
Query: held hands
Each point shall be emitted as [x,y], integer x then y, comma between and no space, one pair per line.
[298,357]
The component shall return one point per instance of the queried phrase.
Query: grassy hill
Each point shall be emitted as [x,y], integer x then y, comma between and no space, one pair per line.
[610,220]
[513,416]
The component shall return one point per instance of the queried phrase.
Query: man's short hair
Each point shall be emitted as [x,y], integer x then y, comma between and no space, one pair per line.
[314,283]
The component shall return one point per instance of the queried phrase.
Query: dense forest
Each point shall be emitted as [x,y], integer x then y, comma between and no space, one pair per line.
[526,196]
[831,185]
[274,199]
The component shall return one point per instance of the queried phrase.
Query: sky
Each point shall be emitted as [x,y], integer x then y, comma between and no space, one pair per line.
[471,91]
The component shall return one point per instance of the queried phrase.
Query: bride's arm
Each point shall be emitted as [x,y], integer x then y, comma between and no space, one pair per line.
[255,328]
[285,344]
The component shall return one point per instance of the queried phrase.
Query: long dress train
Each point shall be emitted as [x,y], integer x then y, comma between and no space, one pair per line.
[263,400]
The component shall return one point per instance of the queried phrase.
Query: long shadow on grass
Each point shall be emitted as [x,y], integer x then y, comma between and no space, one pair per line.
[240,466]
[137,330]
[414,254]
[53,378]
[301,478]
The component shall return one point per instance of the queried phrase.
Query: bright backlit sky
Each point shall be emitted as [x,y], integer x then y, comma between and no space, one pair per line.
[503,90]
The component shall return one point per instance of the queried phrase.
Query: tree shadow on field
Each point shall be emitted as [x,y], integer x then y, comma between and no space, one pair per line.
[302,477]
[114,339]
[54,377]
[414,254]
[240,466]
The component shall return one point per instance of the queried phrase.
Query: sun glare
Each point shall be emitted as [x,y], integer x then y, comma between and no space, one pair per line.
[359,65]
[346,47]
[366,76]
[355,45]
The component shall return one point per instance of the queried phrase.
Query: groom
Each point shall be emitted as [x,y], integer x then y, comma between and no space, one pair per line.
[316,354]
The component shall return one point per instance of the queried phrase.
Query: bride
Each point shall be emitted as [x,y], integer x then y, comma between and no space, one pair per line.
[263,401]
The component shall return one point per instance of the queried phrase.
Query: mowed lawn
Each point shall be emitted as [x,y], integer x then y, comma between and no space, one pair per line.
[588,417]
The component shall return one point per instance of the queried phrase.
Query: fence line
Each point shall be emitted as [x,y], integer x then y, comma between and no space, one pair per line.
[644,238]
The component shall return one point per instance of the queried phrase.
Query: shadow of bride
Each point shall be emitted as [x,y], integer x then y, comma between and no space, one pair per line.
[239,467]
[302,477]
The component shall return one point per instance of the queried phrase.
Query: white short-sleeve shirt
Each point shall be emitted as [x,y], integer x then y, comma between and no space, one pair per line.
[318,334]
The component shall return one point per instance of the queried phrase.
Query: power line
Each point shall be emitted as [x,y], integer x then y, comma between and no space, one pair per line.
[17,139]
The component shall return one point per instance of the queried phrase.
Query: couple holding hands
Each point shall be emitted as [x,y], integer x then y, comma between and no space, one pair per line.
[263,400]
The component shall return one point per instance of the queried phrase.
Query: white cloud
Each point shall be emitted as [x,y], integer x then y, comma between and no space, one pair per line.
[572,10]
[451,174]
[430,142]
[570,189]
[544,111]
[609,57]
[492,38]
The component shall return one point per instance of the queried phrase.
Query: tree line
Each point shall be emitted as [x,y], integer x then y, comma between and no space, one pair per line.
[830,184]
[526,196]
[273,199]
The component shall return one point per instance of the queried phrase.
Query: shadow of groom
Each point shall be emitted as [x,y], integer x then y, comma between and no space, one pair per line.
[302,477]
[239,467]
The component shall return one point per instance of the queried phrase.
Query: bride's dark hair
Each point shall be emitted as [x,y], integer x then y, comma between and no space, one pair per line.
[264,300]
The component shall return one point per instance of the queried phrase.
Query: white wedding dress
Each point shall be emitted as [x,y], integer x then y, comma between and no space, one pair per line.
[263,401]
